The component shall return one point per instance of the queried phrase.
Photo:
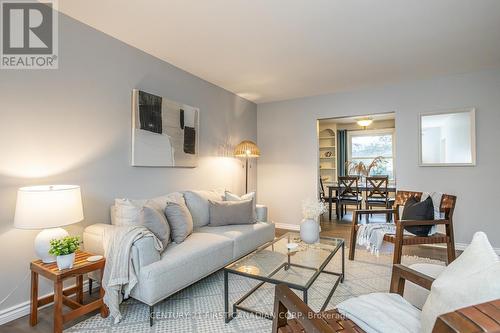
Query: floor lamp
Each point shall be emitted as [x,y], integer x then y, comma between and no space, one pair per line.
[247,149]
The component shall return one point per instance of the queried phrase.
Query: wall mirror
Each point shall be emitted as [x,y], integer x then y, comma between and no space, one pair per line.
[448,138]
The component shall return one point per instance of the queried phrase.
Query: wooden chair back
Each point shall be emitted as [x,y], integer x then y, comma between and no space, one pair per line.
[322,195]
[376,187]
[447,205]
[348,186]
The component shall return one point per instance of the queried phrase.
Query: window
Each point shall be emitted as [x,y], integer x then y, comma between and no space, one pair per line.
[366,145]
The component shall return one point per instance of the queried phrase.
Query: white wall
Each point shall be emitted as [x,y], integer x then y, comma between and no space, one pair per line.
[287,139]
[73,125]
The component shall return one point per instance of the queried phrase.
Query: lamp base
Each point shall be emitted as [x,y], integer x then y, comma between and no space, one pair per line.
[42,243]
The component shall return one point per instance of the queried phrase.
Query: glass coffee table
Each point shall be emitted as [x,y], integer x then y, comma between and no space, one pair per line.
[273,262]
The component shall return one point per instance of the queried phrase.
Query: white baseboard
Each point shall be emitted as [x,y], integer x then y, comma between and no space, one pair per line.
[23,309]
[286,226]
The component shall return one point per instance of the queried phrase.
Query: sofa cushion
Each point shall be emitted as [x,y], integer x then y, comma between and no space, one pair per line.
[470,279]
[246,237]
[415,294]
[182,264]
[381,312]
[197,202]
[231,212]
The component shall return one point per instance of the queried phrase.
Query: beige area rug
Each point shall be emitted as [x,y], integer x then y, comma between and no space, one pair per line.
[199,308]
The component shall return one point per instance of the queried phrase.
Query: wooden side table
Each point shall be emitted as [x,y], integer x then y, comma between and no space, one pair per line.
[60,296]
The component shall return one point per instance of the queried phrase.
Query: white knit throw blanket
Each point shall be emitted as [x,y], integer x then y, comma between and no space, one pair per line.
[372,235]
[120,272]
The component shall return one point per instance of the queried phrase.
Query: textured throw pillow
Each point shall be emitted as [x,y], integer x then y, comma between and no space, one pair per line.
[197,202]
[156,222]
[180,221]
[228,196]
[470,279]
[418,210]
[231,212]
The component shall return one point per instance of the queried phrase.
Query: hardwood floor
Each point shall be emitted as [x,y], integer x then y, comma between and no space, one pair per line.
[334,228]
[45,319]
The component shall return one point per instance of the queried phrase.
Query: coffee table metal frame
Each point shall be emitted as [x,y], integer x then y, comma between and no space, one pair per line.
[269,279]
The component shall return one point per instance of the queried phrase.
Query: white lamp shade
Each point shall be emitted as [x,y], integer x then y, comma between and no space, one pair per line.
[51,206]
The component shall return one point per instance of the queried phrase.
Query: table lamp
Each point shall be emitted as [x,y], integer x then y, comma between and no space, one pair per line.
[48,207]
[246,149]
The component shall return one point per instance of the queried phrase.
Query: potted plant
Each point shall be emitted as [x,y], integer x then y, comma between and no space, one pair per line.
[309,227]
[64,249]
[362,170]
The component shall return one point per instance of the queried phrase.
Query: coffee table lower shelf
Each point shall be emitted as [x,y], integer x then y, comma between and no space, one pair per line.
[269,279]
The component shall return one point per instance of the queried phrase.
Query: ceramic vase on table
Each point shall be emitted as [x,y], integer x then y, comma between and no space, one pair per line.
[65,261]
[309,231]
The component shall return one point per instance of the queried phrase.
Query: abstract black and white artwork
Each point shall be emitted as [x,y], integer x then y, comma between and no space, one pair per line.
[164,133]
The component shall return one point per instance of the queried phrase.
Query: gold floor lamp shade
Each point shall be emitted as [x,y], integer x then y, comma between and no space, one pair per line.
[247,149]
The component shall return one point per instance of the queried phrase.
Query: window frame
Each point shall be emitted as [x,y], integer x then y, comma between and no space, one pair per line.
[373,132]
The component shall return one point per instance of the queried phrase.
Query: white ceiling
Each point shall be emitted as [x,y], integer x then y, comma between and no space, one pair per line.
[268,50]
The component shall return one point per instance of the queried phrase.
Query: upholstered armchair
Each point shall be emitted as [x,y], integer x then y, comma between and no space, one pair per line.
[483,317]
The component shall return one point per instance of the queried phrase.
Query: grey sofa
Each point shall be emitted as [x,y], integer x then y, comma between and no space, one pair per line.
[205,251]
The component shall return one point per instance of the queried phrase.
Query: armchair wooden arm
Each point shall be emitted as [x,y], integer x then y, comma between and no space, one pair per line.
[373,211]
[408,223]
[286,300]
[401,273]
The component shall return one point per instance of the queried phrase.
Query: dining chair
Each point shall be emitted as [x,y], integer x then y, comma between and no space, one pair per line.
[348,194]
[325,198]
[377,194]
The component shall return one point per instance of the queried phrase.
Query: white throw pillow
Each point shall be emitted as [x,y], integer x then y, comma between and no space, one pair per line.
[471,279]
[199,207]
[126,212]
[228,196]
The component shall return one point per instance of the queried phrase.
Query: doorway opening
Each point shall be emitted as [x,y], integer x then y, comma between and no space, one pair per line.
[360,147]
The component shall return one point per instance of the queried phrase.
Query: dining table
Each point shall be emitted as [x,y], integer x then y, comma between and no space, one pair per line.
[391,187]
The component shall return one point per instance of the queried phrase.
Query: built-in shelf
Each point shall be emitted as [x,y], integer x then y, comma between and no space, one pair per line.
[327,141]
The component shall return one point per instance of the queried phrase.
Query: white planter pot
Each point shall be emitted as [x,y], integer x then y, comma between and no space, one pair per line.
[66,261]
[309,231]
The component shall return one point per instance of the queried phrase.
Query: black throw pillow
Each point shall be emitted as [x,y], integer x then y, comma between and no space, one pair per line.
[418,210]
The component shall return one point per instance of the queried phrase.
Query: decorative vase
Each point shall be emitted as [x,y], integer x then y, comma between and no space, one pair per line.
[309,231]
[65,261]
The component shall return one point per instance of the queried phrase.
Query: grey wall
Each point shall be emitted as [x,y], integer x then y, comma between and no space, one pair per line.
[287,139]
[72,125]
